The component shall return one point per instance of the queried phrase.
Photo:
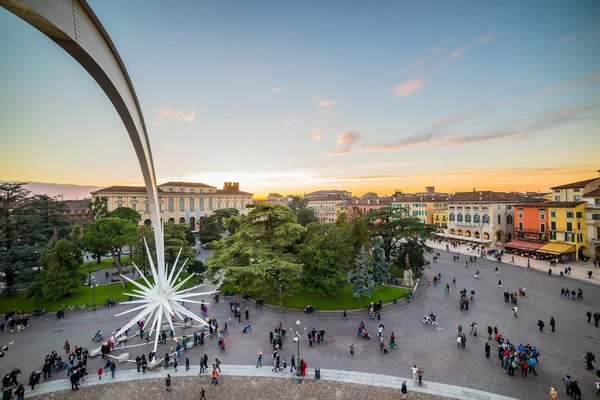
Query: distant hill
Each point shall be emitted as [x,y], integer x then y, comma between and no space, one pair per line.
[67,191]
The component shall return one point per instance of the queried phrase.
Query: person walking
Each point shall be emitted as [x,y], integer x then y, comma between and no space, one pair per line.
[345,316]
[259,359]
[187,364]
[515,309]
[532,365]
[414,373]
[420,374]
[499,284]
[352,350]
[404,391]
[74,381]
[247,314]
[552,324]
[541,325]
[487,350]
[113,368]
[168,382]
[490,331]
[567,381]
[202,393]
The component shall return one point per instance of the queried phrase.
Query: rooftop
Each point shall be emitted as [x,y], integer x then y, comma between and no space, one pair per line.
[566,204]
[232,191]
[421,198]
[576,185]
[593,193]
[187,184]
[485,196]
[124,189]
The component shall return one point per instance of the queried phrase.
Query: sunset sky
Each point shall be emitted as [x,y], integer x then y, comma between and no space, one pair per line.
[295,96]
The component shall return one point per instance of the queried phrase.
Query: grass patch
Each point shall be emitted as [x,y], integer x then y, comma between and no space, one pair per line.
[82,295]
[106,263]
[340,301]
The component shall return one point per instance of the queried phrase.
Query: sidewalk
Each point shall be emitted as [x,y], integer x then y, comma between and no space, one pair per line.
[440,389]
[579,269]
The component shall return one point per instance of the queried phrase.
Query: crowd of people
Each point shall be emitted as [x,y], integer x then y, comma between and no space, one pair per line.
[13,320]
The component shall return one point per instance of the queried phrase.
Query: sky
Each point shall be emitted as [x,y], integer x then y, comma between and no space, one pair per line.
[291,97]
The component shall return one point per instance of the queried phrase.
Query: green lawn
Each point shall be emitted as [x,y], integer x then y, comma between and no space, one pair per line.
[341,301]
[106,263]
[83,295]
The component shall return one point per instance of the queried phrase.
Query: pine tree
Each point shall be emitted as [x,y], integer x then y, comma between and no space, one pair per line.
[381,268]
[363,279]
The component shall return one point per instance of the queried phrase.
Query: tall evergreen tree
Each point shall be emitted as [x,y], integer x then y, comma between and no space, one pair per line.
[62,270]
[27,223]
[381,268]
[363,279]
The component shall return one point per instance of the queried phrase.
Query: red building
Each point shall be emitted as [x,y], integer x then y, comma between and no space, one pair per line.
[531,222]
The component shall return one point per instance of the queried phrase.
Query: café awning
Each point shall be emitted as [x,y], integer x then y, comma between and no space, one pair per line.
[466,238]
[522,245]
[556,248]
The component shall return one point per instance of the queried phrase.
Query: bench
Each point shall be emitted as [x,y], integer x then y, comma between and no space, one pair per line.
[113,280]
[228,293]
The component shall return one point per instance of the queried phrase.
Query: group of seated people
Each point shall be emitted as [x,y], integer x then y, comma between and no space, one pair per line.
[309,309]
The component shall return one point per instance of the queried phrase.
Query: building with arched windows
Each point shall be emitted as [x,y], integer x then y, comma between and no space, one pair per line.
[482,216]
[179,201]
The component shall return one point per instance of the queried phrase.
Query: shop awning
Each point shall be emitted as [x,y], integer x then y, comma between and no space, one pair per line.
[556,248]
[522,245]
[467,238]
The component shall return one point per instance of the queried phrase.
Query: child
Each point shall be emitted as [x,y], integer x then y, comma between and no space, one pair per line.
[175,363]
[187,364]
[168,382]
[122,346]
[100,372]
[284,365]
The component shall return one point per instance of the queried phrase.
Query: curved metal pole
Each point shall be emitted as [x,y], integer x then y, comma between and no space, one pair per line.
[73,26]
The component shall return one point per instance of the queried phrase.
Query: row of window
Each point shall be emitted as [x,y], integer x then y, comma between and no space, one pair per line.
[569,237]
[575,198]
[477,219]
[569,226]
[171,205]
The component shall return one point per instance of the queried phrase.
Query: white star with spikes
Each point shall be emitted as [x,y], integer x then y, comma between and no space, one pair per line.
[161,299]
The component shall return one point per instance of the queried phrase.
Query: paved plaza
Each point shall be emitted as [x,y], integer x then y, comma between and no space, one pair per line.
[432,347]
[232,387]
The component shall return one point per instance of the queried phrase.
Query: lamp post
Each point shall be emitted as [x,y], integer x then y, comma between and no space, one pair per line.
[93,294]
[87,257]
[298,377]
[528,255]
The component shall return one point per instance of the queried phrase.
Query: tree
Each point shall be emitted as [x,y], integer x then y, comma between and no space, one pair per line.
[98,208]
[50,216]
[61,269]
[139,254]
[126,213]
[76,235]
[258,257]
[221,216]
[415,249]
[26,223]
[176,240]
[363,280]
[381,268]
[325,255]
[111,235]
[304,215]
[391,226]
[209,230]
[360,234]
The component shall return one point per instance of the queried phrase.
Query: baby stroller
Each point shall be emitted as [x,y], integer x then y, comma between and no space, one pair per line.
[426,320]
[372,315]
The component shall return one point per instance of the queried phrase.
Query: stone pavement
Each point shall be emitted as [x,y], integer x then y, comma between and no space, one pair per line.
[454,392]
[433,347]
[579,269]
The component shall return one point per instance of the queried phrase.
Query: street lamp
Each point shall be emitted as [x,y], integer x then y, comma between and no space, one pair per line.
[93,294]
[528,255]
[298,377]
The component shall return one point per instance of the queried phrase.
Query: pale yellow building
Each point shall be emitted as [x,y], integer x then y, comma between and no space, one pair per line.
[574,191]
[179,201]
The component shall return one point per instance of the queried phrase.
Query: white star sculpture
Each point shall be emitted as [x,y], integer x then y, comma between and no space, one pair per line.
[162,298]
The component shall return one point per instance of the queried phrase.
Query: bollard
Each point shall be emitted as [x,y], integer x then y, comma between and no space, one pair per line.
[317,373]
[395,300]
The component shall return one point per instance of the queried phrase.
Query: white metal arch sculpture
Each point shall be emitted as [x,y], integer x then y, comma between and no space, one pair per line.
[73,26]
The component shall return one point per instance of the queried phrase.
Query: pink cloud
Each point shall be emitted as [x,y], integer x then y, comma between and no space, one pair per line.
[338,152]
[179,115]
[348,138]
[407,87]
[327,103]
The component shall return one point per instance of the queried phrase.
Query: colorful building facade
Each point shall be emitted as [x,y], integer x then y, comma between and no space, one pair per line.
[592,220]
[568,228]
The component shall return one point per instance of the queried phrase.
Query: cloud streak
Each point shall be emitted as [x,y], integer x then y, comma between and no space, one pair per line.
[270,92]
[410,86]
[407,87]
[179,115]
[444,133]
[348,138]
